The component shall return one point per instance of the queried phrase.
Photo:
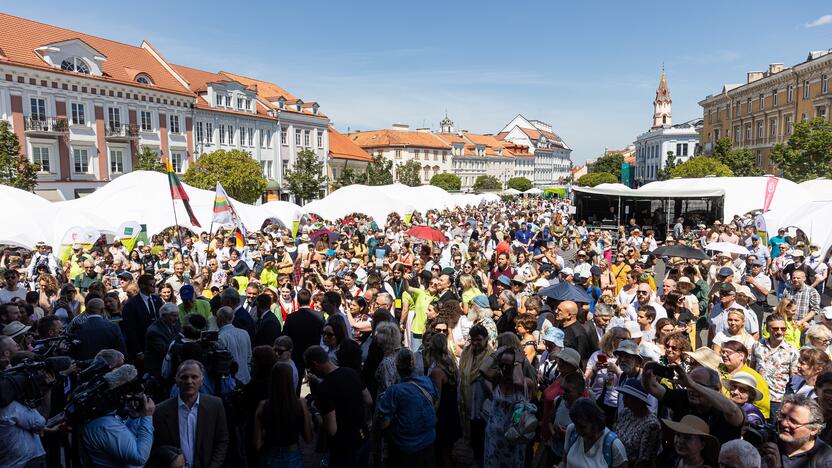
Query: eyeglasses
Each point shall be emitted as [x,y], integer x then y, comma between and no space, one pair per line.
[777,329]
[672,348]
[444,331]
[435,269]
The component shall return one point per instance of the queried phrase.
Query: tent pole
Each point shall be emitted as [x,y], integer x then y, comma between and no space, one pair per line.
[619,210]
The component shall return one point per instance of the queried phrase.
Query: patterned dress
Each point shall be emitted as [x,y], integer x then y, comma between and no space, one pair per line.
[641,436]
[499,452]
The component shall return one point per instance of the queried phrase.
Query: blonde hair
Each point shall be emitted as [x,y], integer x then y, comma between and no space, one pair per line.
[466,282]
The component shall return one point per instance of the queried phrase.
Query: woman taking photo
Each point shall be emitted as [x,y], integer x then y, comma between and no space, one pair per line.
[280,422]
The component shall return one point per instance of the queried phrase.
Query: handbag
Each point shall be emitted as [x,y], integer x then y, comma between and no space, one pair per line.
[523,425]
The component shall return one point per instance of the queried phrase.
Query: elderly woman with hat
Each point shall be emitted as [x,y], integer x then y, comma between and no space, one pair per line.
[637,427]
[695,446]
[741,388]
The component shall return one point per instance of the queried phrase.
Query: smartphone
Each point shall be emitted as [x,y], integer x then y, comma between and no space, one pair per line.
[602,359]
[663,372]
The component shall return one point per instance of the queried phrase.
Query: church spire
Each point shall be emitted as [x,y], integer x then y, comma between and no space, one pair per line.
[661,105]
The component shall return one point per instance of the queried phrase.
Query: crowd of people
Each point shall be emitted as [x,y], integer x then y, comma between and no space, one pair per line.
[510,329]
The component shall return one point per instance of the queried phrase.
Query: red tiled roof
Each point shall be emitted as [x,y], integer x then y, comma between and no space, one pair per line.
[402,138]
[264,88]
[342,147]
[21,37]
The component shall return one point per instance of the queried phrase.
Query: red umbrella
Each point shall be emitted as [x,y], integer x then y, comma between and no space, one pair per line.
[427,233]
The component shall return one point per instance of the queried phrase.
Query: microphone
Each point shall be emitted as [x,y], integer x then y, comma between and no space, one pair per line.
[58,363]
[97,366]
[120,376]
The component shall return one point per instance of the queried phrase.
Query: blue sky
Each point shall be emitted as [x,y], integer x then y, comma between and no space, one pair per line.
[589,69]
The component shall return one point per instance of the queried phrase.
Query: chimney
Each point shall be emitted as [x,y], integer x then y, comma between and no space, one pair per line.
[754,76]
[401,126]
[775,68]
[423,130]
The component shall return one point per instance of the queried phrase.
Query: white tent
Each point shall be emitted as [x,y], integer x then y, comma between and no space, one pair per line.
[511,191]
[490,197]
[375,202]
[27,217]
[283,211]
[817,189]
[534,191]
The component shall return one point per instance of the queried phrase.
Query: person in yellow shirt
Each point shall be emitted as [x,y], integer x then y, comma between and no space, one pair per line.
[619,271]
[268,277]
[735,359]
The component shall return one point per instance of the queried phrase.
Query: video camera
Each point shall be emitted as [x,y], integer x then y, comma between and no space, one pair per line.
[62,345]
[27,381]
[217,360]
[104,393]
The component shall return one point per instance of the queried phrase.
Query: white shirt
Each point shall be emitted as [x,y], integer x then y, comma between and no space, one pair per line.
[632,311]
[238,343]
[188,418]
[580,458]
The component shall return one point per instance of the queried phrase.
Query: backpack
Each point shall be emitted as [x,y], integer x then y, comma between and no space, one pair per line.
[609,438]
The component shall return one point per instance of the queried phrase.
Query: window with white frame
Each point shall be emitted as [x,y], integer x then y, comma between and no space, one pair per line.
[806,89]
[748,132]
[398,154]
[177,160]
[774,98]
[266,166]
[40,155]
[787,130]
[416,154]
[75,64]
[739,108]
[307,137]
[284,167]
[114,117]
[174,123]
[284,137]
[209,133]
[77,111]
[81,160]
[219,100]
[762,101]
[200,132]
[772,127]
[760,129]
[38,108]
[231,135]
[750,104]
[824,84]
[222,134]
[320,139]
[820,111]
[263,138]
[228,101]
[146,121]
[251,136]
[116,161]
[804,117]
[789,93]
[297,137]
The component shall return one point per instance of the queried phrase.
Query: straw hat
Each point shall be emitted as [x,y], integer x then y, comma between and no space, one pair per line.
[744,378]
[693,425]
[705,357]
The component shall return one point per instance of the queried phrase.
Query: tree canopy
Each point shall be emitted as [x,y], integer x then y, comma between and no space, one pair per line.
[409,173]
[487,182]
[239,174]
[348,177]
[595,178]
[610,163]
[741,161]
[15,168]
[306,180]
[808,154]
[664,172]
[379,171]
[701,166]
[149,160]
[446,181]
[519,183]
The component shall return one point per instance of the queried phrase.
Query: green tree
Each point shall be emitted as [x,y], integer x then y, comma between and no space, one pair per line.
[670,163]
[349,177]
[594,178]
[519,183]
[808,154]
[149,160]
[239,174]
[741,161]
[409,173]
[306,180]
[379,171]
[15,169]
[609,163]
[446,181]
[486,182]
[701,166]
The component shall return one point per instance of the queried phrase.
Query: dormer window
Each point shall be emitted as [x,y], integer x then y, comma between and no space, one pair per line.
[144,79]
[75,64]
[281,102]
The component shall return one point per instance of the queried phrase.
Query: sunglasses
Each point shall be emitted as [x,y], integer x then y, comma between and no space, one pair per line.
[444,331]
[643,292]
[329,334]
[777,329]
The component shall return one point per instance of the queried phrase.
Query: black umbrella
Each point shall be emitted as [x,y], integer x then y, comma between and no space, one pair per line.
[681,251]
[566,292]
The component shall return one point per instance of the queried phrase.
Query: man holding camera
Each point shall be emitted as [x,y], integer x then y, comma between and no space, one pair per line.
[112,441]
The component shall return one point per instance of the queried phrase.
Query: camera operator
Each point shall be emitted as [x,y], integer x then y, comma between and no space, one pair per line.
[21,425]
[798,444]
[110,440]
[192,328]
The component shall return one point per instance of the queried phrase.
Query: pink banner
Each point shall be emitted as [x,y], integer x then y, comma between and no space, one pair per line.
[771,186]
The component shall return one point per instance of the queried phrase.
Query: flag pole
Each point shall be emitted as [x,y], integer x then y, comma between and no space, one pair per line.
[176,220]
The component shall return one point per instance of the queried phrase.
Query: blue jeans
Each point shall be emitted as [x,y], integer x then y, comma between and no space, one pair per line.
[415,343]
[278,457]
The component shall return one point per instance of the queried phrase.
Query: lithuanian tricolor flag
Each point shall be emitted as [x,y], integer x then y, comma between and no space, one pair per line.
[177,191]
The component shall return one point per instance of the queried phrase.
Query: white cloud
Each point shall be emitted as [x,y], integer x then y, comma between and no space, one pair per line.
[822,21]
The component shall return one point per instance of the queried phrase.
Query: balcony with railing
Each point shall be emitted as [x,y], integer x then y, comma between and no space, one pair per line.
[121,132]
[46,125]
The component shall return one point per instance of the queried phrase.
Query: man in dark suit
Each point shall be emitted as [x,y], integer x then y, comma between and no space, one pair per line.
[160,335]
[242,319]
[138,313]
[267,328]
[193,422]
[596,327]
[96,333]
[304,327]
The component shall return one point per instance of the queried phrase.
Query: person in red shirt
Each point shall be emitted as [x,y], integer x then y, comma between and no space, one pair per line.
[503,268]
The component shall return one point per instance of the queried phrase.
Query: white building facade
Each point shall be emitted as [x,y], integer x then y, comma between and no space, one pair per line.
[552,156]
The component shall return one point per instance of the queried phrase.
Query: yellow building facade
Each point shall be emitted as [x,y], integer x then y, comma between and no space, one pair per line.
[761,112]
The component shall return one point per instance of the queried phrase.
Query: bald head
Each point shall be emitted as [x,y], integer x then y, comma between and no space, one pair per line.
[95,306]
